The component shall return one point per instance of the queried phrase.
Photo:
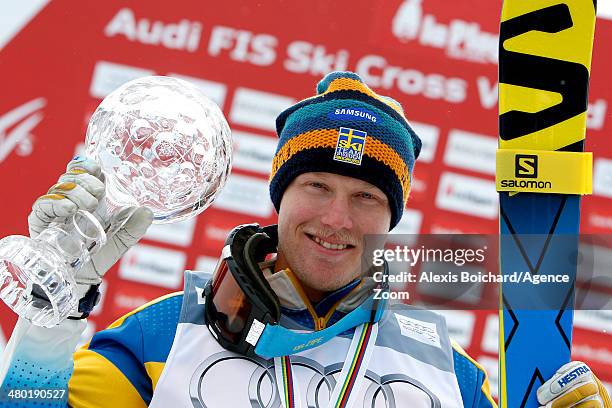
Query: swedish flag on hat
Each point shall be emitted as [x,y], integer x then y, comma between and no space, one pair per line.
[350,130]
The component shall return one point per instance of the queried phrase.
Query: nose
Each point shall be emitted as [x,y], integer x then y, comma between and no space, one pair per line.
[338,214]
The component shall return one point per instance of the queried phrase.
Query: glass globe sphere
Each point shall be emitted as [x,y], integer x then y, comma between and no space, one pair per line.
[161,144]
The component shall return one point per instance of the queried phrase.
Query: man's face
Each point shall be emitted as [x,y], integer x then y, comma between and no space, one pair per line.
[322,223]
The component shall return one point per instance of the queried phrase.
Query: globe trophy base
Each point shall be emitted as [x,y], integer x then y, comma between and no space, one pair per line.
[35,281]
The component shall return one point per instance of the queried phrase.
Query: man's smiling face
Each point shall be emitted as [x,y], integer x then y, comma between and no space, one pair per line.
[322,224]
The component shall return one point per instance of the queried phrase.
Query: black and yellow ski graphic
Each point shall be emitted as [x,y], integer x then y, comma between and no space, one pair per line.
[544,66]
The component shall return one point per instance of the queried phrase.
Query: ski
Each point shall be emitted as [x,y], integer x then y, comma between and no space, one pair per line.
[542,171]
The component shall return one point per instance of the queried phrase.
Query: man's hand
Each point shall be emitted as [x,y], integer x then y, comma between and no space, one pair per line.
[574,385]
[81,188]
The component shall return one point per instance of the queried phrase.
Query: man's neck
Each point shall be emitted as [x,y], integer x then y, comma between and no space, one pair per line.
[314,295]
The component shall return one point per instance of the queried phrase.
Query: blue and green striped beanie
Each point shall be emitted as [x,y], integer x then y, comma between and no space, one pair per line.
[349,130]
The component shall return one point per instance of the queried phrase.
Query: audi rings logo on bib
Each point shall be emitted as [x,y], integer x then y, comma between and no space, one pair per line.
[253,384]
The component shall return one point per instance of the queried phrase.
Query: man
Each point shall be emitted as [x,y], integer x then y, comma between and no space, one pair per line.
[341,171]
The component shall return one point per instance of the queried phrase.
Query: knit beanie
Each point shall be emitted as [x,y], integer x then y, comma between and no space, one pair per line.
[350,130]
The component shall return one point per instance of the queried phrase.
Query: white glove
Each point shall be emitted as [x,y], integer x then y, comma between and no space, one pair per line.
[573,385]
[81,188]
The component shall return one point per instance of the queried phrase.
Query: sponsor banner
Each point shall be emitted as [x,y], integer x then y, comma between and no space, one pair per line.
[596,320]
[125,301]
[206,264]
[602,177]
[440,227]
[246,195]
[16,126]
[595,349]
[596,114]
[406,230]
[460,324]
[217,226]
[490,337]
[592,353]
[130,295]
[176,233]
[108,76]
[15,16]
[429,135]
[129,302]
[605,10]
[491,366]
[462,39]
[253,153]
[409,224]
[597,216]
[216,233]
[153,266]
[467,195]
[378,72]
[421,179]
[596,262]
[446,224]
[174,35]
[215,91]
[258,109]
[431,56]
[471,151]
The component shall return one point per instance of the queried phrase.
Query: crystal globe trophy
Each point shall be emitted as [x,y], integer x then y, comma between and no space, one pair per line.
[161,143]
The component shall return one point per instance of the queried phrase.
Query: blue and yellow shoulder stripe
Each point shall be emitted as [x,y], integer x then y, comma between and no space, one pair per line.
[473,380]
[121,365]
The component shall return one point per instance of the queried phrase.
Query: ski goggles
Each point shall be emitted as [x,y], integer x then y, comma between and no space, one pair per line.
[243,312]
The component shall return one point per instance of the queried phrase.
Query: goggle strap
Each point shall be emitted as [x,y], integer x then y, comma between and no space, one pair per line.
[278,341]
